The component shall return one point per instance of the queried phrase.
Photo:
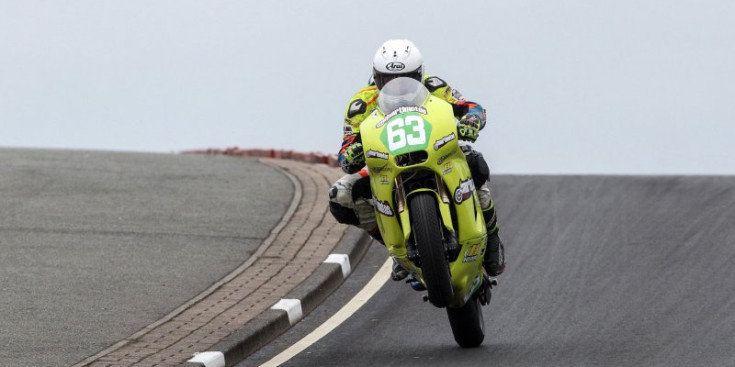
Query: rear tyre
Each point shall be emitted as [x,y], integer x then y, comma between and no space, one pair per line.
[468,324]
[428,235]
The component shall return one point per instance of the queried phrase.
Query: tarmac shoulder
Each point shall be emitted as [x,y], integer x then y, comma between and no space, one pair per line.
[235,316]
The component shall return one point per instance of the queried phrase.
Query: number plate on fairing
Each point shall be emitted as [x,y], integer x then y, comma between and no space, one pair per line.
[407,132]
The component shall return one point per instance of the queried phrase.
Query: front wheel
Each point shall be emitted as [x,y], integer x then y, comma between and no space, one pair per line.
[427,232]
[468,325]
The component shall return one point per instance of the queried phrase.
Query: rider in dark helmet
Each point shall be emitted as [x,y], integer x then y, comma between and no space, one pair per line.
[350,195]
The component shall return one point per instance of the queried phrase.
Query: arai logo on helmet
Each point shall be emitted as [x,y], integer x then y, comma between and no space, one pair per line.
[395,66]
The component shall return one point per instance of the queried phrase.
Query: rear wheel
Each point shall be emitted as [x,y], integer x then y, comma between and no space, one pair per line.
[428,235]
[468,325]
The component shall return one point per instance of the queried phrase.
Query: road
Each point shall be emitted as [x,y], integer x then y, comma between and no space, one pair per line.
[603,271]
[95,246]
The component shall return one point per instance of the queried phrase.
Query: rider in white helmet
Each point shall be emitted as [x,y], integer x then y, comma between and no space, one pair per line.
[397,58]
[350,195]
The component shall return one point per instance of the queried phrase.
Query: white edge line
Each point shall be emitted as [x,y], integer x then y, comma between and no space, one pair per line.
[298,193]
[362,297]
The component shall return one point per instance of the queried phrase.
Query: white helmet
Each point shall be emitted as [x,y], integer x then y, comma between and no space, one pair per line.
[396,58]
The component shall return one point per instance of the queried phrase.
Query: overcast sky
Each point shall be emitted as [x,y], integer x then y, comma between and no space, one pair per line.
[575,86]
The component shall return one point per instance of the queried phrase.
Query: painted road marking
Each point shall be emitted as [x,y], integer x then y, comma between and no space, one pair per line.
[343,314]
[343,261]
[292,308]
[209,359]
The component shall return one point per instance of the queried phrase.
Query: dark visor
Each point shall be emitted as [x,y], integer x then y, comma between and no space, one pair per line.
[382,78]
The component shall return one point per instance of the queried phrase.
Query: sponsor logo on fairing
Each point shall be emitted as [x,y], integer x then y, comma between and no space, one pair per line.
[395,66]
[383,207]
[464,190]
[444,141]
[443,158]
[384,180]
[389,116]
[376,154]
[476,283]
[471,253]
[380,169]
[448,168]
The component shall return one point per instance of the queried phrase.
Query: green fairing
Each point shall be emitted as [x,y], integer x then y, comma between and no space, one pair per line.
[434,132]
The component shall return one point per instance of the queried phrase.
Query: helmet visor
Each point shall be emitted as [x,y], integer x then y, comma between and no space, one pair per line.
[382,79]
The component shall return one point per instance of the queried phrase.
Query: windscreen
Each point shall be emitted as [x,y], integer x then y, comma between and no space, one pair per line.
[401,92]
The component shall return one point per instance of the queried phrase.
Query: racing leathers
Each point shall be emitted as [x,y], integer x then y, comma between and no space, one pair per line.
[350,197]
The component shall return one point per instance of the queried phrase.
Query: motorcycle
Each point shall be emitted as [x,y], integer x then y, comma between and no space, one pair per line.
[427,209]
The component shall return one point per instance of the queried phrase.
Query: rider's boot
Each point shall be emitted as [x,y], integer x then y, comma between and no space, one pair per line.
[415,283]
[494,259]
[398,272]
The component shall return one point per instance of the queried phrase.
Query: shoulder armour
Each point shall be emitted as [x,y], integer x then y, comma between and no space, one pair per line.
[357,107]
[433,83]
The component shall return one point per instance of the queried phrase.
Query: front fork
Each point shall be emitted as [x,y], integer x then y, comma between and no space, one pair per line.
[451,245]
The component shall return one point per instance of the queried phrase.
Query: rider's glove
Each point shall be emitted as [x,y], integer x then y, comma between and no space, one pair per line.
[353,158]
[469,127]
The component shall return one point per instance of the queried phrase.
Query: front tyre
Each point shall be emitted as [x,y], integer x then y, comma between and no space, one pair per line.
[468,325]
[428,235]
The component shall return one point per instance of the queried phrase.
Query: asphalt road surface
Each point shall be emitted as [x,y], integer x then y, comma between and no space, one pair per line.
[603,271]
[94,246]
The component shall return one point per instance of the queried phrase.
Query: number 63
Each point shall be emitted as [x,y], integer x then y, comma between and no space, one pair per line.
[399,138]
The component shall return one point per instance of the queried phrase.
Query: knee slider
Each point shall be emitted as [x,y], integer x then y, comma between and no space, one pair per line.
[343,214]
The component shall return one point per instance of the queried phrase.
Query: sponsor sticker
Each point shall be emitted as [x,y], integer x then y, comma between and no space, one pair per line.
[471,253]
[384,179]
[444,141]
[380,169]
[377,154]
[464,190]
[383,207]
[476,283]
[447,168]
[443,158]
[389,116]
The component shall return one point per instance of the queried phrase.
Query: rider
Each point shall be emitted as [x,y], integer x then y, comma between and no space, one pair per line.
[350,195]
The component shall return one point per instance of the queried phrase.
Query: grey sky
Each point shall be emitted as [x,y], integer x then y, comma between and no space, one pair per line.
[574,86]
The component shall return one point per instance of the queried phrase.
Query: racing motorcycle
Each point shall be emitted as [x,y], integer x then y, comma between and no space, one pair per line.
[426,205]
